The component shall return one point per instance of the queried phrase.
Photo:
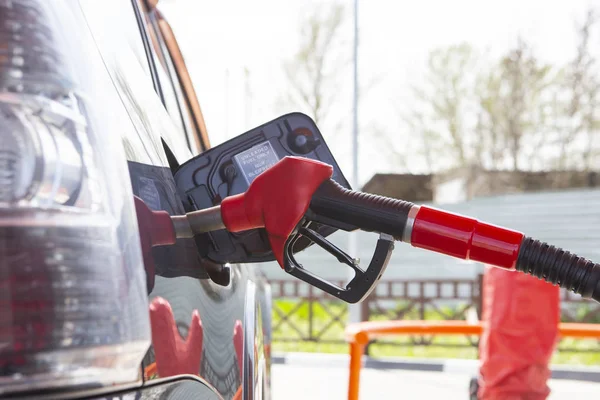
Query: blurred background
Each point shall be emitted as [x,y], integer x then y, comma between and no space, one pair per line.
[500,85]
[485,108]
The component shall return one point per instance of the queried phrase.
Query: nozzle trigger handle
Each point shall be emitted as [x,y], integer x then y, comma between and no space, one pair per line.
[276,200]
[364,281]
[345,209]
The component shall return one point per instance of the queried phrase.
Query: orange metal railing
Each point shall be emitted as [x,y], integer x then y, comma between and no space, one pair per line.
[358,336]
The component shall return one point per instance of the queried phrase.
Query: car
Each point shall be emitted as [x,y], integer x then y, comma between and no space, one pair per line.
[97,105]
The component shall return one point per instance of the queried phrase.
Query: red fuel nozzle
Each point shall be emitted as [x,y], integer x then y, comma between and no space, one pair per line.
[297,192]
[277,200]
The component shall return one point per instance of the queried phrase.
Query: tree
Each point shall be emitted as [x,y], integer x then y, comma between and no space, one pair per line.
[472,113]
[439,117]
[515,112]
[490,150]
[512,108]
[312,72]
[581,84]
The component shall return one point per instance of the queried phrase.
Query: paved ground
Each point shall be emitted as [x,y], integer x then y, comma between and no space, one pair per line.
[291,382]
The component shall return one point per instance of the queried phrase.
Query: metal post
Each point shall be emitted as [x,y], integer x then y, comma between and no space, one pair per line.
[355,103]
[247,98]
[354,311]
[226,121]
[311,300]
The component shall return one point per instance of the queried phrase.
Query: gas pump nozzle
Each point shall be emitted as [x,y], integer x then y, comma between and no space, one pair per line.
[297,192]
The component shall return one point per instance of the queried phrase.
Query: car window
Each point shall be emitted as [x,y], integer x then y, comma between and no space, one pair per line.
[131,78]
[188,101]
[183,108]
[171,91]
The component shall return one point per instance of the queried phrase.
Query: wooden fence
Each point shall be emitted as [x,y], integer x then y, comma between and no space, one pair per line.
[392,300]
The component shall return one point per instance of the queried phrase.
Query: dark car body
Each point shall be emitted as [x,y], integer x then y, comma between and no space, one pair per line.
[154,93]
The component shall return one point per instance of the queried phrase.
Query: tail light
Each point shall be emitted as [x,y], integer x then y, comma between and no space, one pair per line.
[73,305]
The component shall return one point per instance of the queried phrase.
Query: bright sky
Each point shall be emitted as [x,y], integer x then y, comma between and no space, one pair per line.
[222,39]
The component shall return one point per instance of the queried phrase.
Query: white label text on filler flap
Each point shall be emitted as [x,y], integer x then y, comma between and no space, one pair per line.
[256,160]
